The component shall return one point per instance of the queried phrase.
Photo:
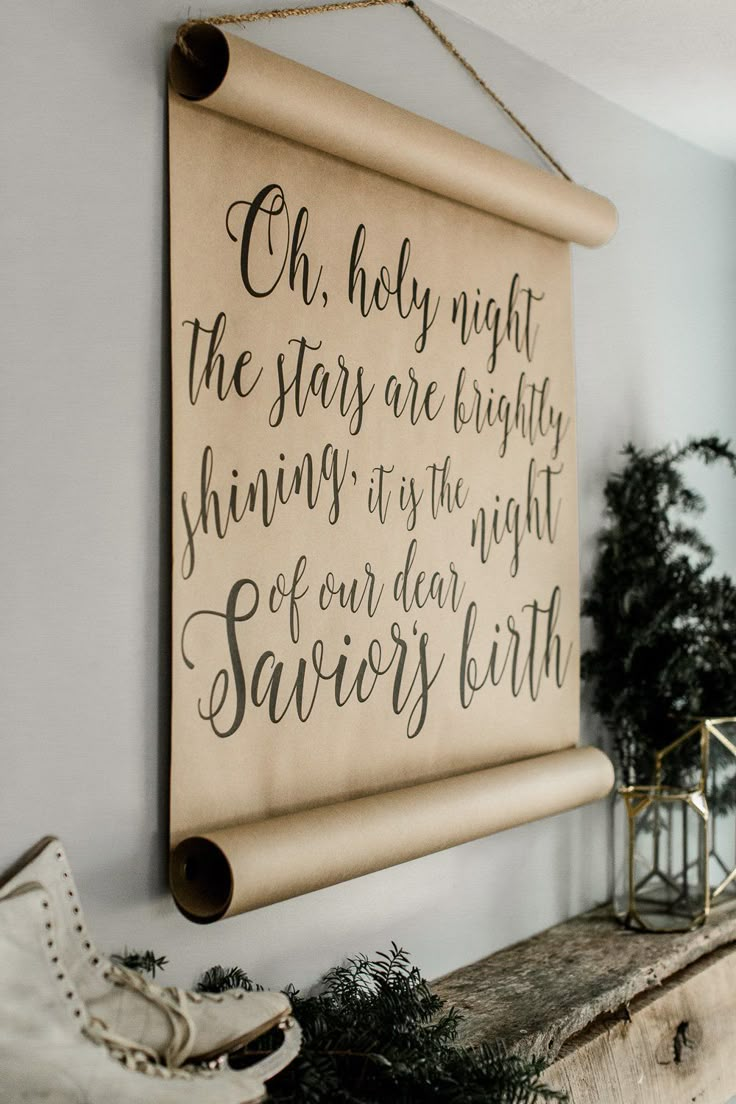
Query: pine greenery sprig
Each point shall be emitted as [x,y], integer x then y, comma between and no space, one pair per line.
[218,980]
[144,961]
[375,1033]
[664,627]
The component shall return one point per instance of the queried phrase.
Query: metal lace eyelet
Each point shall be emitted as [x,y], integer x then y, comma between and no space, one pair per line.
[70,893]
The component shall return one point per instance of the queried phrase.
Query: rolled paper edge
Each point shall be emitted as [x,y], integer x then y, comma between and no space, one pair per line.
[245,867]
[201,879]
[263,89]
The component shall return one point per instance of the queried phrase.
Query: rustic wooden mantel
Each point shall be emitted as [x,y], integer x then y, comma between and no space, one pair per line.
[624,1017]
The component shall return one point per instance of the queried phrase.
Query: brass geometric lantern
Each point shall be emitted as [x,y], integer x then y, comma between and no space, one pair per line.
[680,839]
[663,883]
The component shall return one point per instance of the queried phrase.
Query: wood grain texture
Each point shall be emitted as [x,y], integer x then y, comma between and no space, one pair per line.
[677,1045]
[535,996]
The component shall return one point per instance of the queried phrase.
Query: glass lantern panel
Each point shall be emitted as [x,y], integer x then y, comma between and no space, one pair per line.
[665,866]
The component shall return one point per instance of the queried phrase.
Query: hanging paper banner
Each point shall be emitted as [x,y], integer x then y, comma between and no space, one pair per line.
[375,581]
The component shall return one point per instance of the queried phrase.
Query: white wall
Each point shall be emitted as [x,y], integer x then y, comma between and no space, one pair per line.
[84,485]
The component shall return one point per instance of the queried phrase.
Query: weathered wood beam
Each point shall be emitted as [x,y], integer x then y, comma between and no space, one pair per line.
[677,1044]
[535,996]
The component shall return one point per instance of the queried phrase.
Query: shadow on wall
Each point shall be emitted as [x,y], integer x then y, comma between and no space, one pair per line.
[160,873]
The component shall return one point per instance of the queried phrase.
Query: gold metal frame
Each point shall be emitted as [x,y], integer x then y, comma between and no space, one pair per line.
[639,798]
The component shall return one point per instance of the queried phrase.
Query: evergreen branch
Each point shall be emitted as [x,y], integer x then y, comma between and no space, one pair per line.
[145,962]
[219,980]
[375,1033]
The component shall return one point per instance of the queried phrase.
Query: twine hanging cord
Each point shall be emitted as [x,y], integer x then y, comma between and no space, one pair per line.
[354,5]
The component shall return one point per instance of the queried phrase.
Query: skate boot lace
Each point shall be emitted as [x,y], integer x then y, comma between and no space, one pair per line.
[122,975]
[141,1059]
[172,1001]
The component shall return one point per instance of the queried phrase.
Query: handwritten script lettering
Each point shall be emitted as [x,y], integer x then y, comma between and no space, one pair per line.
[377,515]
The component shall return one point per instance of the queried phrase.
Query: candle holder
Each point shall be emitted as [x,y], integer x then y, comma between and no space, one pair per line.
[679,853]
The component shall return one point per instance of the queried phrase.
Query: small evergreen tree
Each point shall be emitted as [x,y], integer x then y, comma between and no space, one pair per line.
[665,629]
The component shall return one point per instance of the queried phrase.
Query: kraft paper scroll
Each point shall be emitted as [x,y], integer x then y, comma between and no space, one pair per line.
[375,587]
